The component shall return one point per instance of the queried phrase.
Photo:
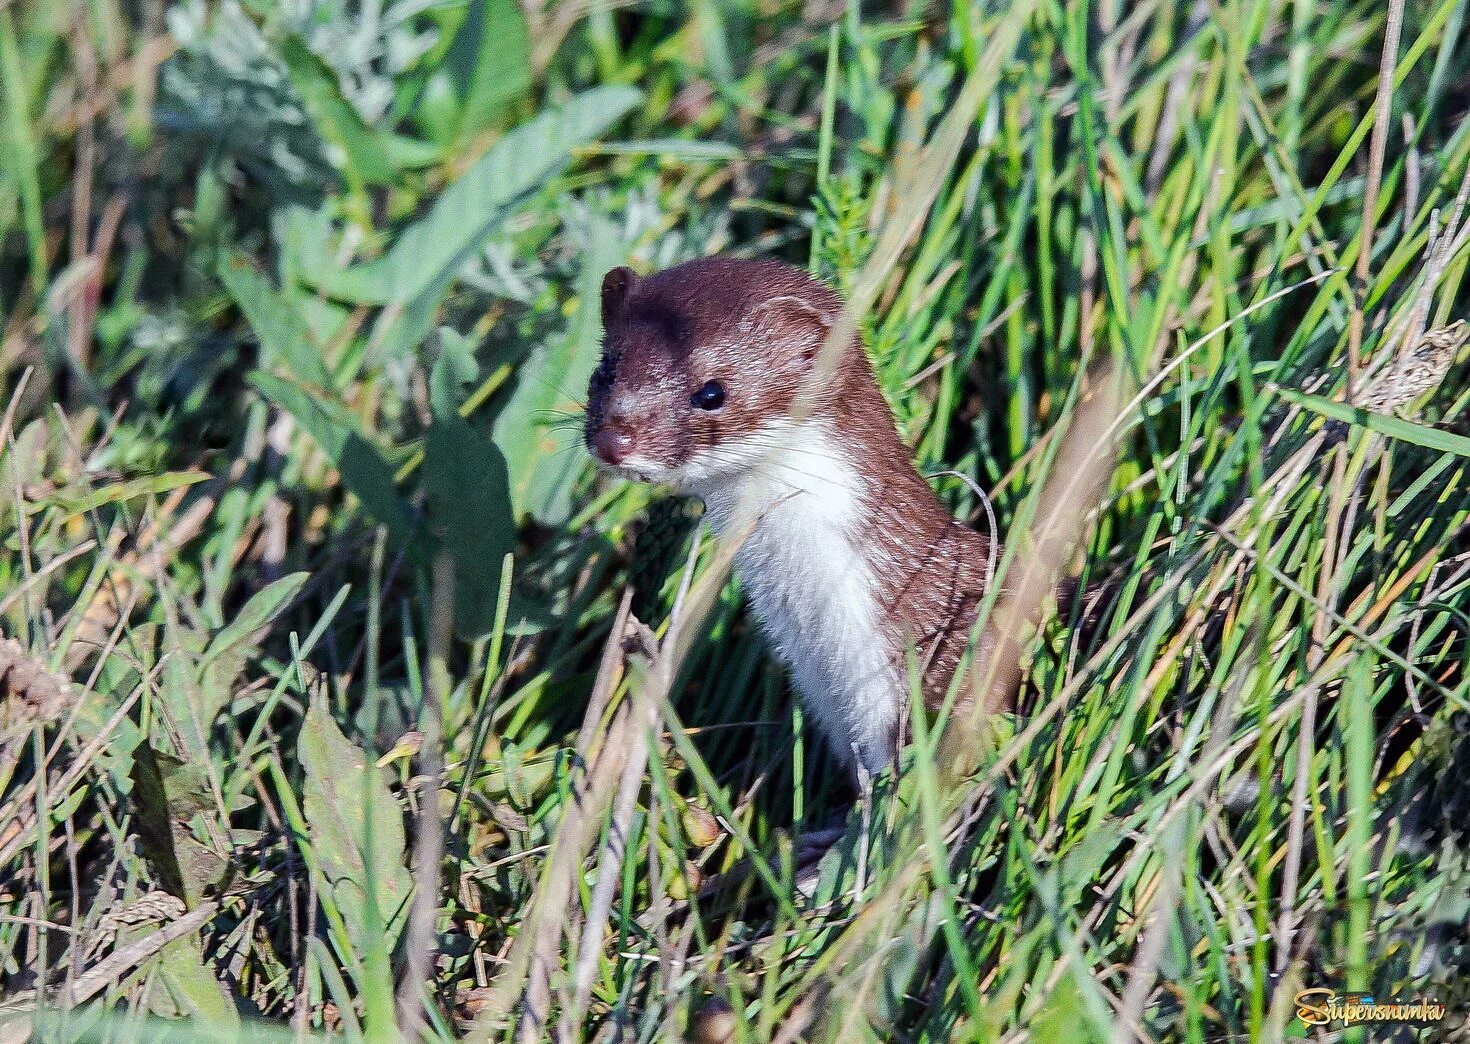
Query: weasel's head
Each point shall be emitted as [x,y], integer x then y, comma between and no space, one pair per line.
[702,364]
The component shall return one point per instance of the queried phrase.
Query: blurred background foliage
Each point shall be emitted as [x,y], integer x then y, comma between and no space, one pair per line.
[297,307]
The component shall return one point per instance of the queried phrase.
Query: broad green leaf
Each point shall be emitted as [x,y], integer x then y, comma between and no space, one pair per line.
[356,832]
[352,147]
[149,485]
[469,507]
[167,794]
[196,992]
[432,249]
[260,610]
[469,493]
[436,109]
[151,822]
[364,471]
[99,705]
[455,368]
[1381,423]
[281,330]
[537,428]
[189,706]
[491,58]
[411,153]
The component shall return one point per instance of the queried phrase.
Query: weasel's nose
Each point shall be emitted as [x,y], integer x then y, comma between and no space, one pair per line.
[612,444]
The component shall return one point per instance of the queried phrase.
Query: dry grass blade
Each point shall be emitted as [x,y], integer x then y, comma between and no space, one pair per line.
[645,718]
[1083,466]
[1382,108]
[118,964]
[527,969]
[539,943]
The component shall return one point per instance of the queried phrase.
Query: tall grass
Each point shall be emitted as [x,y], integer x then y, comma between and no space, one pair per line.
[340,698]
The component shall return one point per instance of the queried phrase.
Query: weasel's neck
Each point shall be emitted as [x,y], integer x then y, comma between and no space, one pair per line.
[800,468]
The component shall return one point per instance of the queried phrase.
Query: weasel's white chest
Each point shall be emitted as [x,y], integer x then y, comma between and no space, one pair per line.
[813,591]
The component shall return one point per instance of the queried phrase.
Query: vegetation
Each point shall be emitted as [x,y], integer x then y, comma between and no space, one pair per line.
[322,712]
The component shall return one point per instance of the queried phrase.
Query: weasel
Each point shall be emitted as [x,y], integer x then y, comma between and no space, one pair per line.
[848,557]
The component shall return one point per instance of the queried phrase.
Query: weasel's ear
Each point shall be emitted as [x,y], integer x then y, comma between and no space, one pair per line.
[616,286]
[792,319]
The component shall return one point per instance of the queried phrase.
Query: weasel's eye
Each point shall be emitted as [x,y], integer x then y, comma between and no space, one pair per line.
[710,397]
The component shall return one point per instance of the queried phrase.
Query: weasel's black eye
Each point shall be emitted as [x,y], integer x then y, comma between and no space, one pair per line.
[710,397]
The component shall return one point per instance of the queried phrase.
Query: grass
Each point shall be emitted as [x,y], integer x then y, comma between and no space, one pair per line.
[298,306]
